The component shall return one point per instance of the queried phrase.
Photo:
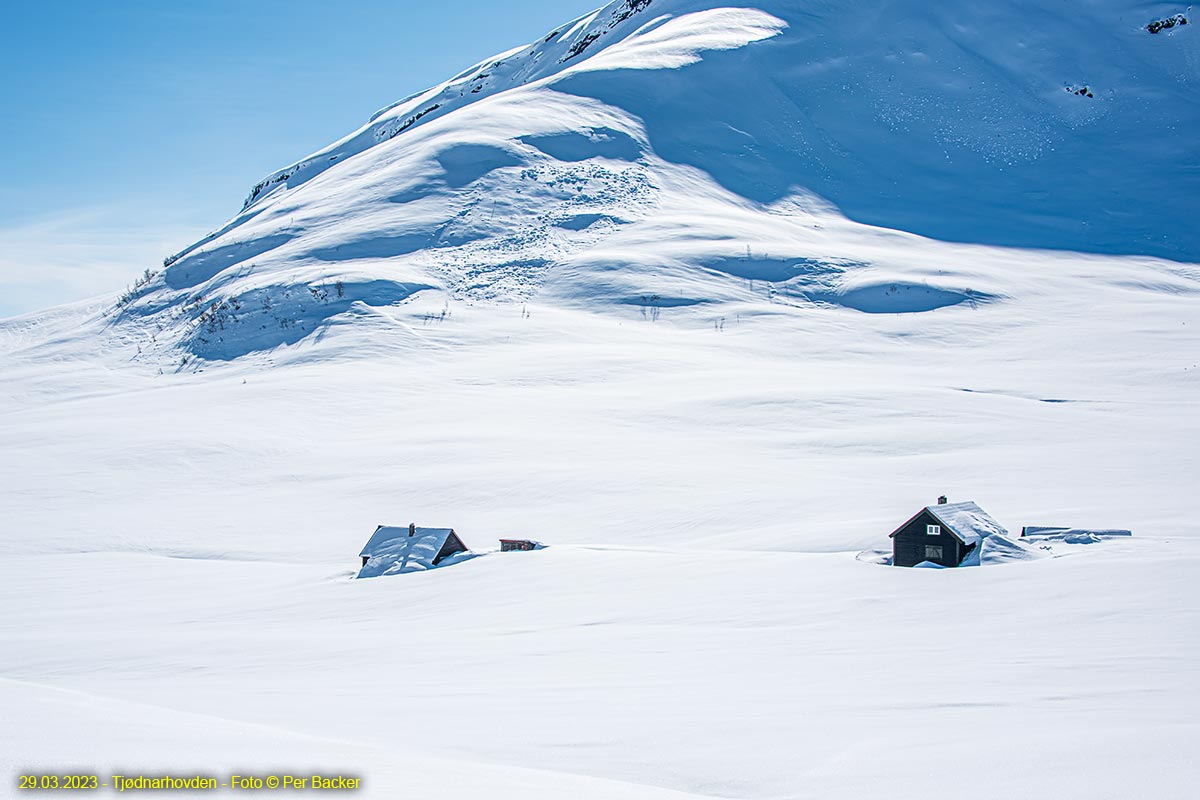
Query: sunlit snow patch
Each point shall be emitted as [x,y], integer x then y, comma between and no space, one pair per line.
[679,41]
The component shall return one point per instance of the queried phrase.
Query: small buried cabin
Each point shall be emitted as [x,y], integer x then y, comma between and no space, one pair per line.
[393,550]
[943,534]
[507,545]
[1069,534]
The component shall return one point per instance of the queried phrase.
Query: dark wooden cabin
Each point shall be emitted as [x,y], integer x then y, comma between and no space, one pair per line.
[517,544]
[943,534]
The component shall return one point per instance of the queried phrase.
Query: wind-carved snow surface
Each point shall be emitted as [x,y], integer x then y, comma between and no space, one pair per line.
[709,300]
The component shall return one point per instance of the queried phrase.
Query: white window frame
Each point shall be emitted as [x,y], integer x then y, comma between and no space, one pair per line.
[933,530]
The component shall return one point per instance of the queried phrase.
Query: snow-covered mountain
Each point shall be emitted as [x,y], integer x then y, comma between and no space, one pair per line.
[667,153]
[709,300]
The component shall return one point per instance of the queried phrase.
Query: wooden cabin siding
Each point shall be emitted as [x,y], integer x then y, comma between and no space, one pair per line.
[453,545]
[908,545]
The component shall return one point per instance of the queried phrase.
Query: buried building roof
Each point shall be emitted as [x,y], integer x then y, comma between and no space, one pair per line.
[967,521]
[1054,532]
[392,550]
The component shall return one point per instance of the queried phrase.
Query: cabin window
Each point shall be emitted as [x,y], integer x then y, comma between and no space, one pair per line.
[933,530]
[933,551]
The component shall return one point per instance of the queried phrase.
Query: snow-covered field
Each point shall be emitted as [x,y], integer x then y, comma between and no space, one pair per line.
[705,399]
[179,555]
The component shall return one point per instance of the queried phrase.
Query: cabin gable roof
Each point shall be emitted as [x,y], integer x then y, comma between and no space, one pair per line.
[388,537]
[420,550]
[966,521]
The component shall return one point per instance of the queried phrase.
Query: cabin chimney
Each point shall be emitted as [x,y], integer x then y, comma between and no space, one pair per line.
[942,500]
[412,529]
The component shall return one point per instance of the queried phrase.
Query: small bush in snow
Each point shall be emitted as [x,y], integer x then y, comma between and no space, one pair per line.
[580,45]
[408,123]
[1166,24]
[135,291]
[630,8]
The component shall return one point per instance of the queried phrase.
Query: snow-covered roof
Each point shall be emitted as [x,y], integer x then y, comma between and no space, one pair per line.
[1000,549]
[1049,531]
[967,521]
[384,536]
[391,550]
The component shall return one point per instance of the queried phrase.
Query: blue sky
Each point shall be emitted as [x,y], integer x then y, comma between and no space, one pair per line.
[132,128]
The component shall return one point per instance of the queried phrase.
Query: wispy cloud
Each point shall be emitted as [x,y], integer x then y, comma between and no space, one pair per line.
[80,253]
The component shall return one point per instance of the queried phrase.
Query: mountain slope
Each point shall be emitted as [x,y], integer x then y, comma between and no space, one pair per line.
[666,153]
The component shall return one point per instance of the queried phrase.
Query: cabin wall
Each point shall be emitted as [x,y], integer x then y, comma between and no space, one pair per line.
[452,545]
[908,546]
